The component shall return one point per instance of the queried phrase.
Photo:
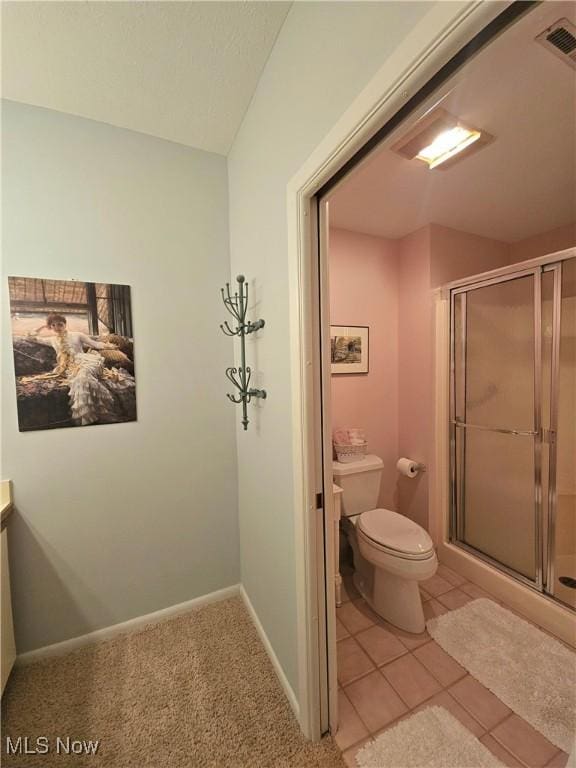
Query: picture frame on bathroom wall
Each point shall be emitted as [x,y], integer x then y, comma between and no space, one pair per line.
[73,347]
[349,349]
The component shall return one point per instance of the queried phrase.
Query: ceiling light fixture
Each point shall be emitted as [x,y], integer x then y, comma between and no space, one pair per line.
[439,138]
[448,144]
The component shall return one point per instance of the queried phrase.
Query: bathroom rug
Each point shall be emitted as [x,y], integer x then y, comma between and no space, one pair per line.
[432,738]
[531,672]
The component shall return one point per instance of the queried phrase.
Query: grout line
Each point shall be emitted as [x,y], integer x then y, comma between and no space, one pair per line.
[517,757]
[385,664]
[355,679]
[560,752]
[465,708]
[506,750]
[447,690]
[431,672]
[411,709]
[505,716]
[443,688]
[359,717]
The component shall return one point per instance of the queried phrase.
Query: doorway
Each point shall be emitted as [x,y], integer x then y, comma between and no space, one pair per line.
[328,582]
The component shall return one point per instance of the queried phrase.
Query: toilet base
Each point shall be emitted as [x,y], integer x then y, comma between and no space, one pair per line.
[398,600]
[394,599]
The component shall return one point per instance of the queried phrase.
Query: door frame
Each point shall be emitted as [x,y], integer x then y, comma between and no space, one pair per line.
[449,33]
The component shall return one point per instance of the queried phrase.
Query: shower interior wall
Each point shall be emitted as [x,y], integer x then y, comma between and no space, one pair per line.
[387,285]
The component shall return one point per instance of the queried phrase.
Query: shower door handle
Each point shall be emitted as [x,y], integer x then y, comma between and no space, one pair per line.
[521,432]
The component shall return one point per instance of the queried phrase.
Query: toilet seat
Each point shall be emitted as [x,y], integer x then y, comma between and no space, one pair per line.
[395,534]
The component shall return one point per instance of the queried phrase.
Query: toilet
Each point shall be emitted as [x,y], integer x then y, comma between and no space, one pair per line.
[391,553]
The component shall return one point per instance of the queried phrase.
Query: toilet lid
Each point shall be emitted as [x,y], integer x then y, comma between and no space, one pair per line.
[394,531]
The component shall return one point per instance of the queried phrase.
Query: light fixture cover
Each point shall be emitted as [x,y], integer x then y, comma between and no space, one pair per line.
[440,139]
[447,144]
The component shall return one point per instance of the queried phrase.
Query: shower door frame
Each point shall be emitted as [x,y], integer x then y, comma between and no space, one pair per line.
[544,527]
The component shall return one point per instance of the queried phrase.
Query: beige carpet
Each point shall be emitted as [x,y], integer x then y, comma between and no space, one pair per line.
[198,690]
[433,738]
[531,672]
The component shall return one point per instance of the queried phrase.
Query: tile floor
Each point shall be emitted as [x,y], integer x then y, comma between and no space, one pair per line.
[385,674]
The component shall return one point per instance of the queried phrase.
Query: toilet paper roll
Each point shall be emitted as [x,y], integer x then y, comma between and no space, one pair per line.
[408,467]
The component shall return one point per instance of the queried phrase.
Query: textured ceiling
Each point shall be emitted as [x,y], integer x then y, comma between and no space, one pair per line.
[520,185]
[183,71]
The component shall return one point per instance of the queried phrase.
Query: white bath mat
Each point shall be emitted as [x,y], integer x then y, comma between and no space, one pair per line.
[433,738]
[529,671]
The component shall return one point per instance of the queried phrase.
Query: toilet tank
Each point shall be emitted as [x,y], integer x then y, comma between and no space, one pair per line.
[360,483]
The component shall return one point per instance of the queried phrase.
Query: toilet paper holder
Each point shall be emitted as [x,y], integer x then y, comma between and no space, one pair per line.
[409,467]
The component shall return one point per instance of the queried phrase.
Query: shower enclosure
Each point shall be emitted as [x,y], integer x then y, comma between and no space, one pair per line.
[513,424]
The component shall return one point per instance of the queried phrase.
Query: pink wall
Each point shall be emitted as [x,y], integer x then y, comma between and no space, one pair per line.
[547,242]
[387,285]
[364,291]
[415,370]
[429,257]
[456,254]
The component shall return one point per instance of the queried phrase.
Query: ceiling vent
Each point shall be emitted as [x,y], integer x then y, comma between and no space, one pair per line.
[560,39]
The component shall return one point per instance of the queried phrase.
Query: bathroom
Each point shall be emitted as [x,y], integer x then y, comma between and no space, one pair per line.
[402,239]
[164,592]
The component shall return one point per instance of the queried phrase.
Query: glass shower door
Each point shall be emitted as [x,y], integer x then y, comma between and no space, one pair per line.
[561,576]
[496,423]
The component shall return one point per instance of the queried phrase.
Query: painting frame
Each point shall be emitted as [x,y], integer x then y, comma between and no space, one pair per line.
[361,349]
[73,353]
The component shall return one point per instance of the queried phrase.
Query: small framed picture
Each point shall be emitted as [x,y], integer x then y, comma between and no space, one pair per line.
[349,348]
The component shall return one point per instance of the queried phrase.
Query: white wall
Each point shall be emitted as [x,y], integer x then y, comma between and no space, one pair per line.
[325,54]
[117,521]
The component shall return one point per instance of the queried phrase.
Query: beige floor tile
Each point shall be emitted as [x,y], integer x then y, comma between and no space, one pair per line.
[409,639]
[433,608]
[369,612]
[475,591]
[352,661]
[559,761]
[525,743]
[411,680]
[376,701]
[349,755]
[443,699]
[502,754]
[381,645]
[354,620]
[454,599]
[480,702]
[341,631]
[442,666]
[350,728]
[449,575]
[436,585]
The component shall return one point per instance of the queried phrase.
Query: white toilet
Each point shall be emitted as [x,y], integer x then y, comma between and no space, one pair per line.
[391,553]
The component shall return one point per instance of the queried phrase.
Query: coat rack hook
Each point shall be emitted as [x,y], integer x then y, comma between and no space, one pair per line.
[240,377]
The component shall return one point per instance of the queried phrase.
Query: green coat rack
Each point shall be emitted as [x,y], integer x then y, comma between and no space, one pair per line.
[240,377]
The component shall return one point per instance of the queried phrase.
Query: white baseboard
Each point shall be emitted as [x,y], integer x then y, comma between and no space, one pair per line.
[67,646]
[270,651]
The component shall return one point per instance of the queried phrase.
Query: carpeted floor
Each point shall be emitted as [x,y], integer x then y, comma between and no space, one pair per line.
[195,691]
